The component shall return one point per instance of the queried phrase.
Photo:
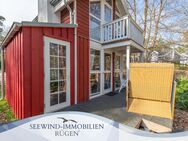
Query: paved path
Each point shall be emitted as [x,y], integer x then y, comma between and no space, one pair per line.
[113,107]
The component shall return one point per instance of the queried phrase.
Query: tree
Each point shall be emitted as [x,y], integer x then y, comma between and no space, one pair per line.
[1,24]
[161,19]
[1,27]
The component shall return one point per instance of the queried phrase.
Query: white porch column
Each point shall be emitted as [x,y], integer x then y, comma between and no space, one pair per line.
[127,62]
[102,71]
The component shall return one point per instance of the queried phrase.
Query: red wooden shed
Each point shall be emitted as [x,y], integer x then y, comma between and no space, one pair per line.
[30,48]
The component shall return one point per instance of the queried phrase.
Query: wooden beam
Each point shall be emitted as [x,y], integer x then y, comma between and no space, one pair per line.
[114,9]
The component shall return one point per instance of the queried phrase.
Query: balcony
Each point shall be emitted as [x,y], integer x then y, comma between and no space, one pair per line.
[118,30]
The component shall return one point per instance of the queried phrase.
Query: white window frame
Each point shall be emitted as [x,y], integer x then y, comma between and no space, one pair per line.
[47,107]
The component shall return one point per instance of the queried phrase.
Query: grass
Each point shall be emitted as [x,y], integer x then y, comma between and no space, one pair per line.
[6,115]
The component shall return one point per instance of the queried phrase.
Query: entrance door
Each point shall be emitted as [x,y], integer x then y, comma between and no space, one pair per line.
[57,74]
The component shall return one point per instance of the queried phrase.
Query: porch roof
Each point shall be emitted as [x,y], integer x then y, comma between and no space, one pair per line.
[120,44]
[16,27]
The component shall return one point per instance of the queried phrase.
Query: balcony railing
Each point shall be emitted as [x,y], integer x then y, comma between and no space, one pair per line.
[123,28]
[115,30]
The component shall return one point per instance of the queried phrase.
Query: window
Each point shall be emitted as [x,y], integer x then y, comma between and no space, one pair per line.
[107,81]
[94,84]
[95,28]
[95,20]
[117,63]
[94,59]
[107,71]
[95,72]
[107,62]
[95,9]
[117,72]
[108,14]
[57,74]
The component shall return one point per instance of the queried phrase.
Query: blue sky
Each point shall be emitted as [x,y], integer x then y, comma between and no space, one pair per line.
[18,10]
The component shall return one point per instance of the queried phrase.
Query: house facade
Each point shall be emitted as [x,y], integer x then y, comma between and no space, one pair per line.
[74,51]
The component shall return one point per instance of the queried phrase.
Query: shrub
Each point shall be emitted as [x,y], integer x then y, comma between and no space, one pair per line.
[182,94]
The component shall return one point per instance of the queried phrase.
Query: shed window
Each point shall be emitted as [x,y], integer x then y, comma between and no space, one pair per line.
[57,74]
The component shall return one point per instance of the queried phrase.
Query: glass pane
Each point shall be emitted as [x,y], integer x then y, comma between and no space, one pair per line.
[62,74]
[109,2]
[62,86]
[107,61]
[95,9]
[117,80]
[62,63]
[53,87]
[94,83]
[94,59]
[117,62]
[53,49]
[62,97]
[53,99]
[53,75]
[94,28]
[108,14]
[107,80]
[53,62]
[62,51]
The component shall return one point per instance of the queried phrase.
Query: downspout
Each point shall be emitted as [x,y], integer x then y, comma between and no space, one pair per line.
[70,11]
[75,52]
[73,21]
[2,73]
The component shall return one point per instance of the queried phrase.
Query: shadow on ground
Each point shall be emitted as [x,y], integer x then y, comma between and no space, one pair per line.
[113,107]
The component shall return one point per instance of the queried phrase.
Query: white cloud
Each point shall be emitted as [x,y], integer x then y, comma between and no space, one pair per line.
[18,10]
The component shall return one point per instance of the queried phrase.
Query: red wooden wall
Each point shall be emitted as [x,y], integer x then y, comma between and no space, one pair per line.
[25,68]
[14,75]
[83,50]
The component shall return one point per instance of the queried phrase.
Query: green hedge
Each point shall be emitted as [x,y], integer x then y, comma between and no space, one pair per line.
[182,94]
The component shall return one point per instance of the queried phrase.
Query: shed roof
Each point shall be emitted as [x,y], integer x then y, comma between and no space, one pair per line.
[16,26]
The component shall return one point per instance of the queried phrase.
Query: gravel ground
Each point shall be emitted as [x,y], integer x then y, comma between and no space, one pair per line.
[180,121]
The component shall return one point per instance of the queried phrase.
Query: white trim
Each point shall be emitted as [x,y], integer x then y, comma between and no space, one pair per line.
[47,107]
[75,55]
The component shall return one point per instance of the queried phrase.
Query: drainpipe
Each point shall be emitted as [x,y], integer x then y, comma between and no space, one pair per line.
[75,55]
[2,73]
[73,21]
[70,11]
